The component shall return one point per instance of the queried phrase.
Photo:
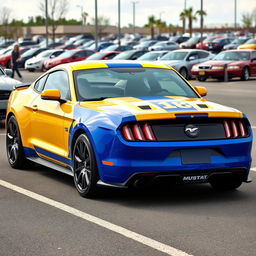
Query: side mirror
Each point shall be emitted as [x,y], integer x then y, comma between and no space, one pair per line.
[202,91]
[8,72]
[52,94]
[190,58]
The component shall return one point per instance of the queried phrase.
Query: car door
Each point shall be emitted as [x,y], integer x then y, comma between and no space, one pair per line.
[192,59]
[47,124]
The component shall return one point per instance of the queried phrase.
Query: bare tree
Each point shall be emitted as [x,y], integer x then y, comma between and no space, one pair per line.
[56,11]
[5,14]
[103,23]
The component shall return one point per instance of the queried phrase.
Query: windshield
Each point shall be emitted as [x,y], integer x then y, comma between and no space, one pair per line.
[45,53]
[174,56]
[209,39]
[123,55]
[233,56]
[193,40]
[251,41]
[111,48]
[96,56]
[30,52]
[149,56]
[66,54]
[238,41]
[98,84]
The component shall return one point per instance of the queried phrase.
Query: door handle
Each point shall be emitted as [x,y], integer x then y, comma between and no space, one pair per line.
[34,108]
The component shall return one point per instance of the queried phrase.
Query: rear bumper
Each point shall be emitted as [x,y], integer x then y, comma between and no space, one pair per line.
[129,159]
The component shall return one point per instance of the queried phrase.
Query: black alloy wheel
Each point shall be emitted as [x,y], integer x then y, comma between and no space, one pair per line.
[14,148]
[85,167]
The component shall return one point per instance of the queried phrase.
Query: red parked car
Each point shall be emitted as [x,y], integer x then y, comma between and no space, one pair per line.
[5,59]
[68,56]
[237,63]
[203,45]
[103,55]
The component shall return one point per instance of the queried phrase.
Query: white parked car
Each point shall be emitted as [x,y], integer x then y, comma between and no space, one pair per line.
[36,63]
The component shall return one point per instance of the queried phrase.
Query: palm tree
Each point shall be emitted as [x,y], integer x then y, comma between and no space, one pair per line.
[151,24]
[201,13]
[191,17]
[160,25]
[183,18]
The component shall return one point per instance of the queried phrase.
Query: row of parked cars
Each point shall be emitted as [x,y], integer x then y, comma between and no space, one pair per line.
[173,52]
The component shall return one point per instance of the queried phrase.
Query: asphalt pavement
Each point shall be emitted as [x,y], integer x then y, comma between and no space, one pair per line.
[44,215]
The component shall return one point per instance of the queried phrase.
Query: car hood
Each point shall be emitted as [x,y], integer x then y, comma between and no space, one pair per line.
[170,62]
[7,83]
[153,108]
[220,63]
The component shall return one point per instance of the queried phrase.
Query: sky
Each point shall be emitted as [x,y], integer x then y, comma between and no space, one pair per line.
[218,11]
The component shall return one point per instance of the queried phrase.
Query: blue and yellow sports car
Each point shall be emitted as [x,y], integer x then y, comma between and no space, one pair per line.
[126,123]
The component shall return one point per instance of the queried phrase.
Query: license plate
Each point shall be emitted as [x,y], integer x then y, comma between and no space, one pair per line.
[195,178]
[201,73]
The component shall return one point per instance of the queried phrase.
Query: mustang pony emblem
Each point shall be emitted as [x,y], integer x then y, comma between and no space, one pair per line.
[192,130]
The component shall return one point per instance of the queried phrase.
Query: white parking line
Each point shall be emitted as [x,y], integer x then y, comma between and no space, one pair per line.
[253,169]
[2,134]
[100,222]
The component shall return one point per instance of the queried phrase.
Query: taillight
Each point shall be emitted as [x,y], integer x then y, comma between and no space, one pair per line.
[138,132]
[234,129]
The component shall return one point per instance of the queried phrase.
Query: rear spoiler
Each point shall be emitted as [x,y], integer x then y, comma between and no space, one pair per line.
[22,85]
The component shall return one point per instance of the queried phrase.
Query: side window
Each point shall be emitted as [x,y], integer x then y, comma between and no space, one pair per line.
[79,54]
[40,84]
[253,54]
[58,80]
[203,55]
[111,55]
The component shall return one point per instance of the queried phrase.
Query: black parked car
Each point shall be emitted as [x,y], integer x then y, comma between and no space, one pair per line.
[179,39]
[217,44]
[235,43]
[29,54]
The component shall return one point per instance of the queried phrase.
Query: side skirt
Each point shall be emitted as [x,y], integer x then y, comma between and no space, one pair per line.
[67,170]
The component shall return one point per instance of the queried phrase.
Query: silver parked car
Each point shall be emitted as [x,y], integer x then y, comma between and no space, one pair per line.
[164,45]
[183,60]
[154,55]
[6,86]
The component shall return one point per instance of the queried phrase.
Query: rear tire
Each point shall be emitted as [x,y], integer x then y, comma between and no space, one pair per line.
[85,167]
[14,147]
[245,74]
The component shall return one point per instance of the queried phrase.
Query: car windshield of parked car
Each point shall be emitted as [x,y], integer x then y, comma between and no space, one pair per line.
[123,55]
[174,56]
[149,56]
[251,41]
[238,41]
[209,39]
[193,40]
[233,56]
[45,54]
[29,52]
[98,84]
[96,56]
[66,54]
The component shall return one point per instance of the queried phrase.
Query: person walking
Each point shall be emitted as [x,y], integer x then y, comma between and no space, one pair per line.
[15,60]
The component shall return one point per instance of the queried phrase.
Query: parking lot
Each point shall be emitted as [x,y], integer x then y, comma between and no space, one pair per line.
[177,220]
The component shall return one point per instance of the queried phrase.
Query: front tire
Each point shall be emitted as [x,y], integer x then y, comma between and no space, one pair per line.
[14,147]
[245,74]
[184,72]
[85,167]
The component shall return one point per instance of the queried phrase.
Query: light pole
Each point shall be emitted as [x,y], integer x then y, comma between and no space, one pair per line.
[96,24]
[201,23]
[119,24]
[46,22]
[133,5]
[184,20]
[82,10]
[235,21]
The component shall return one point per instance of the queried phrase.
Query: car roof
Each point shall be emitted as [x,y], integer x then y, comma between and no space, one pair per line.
[91,64]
